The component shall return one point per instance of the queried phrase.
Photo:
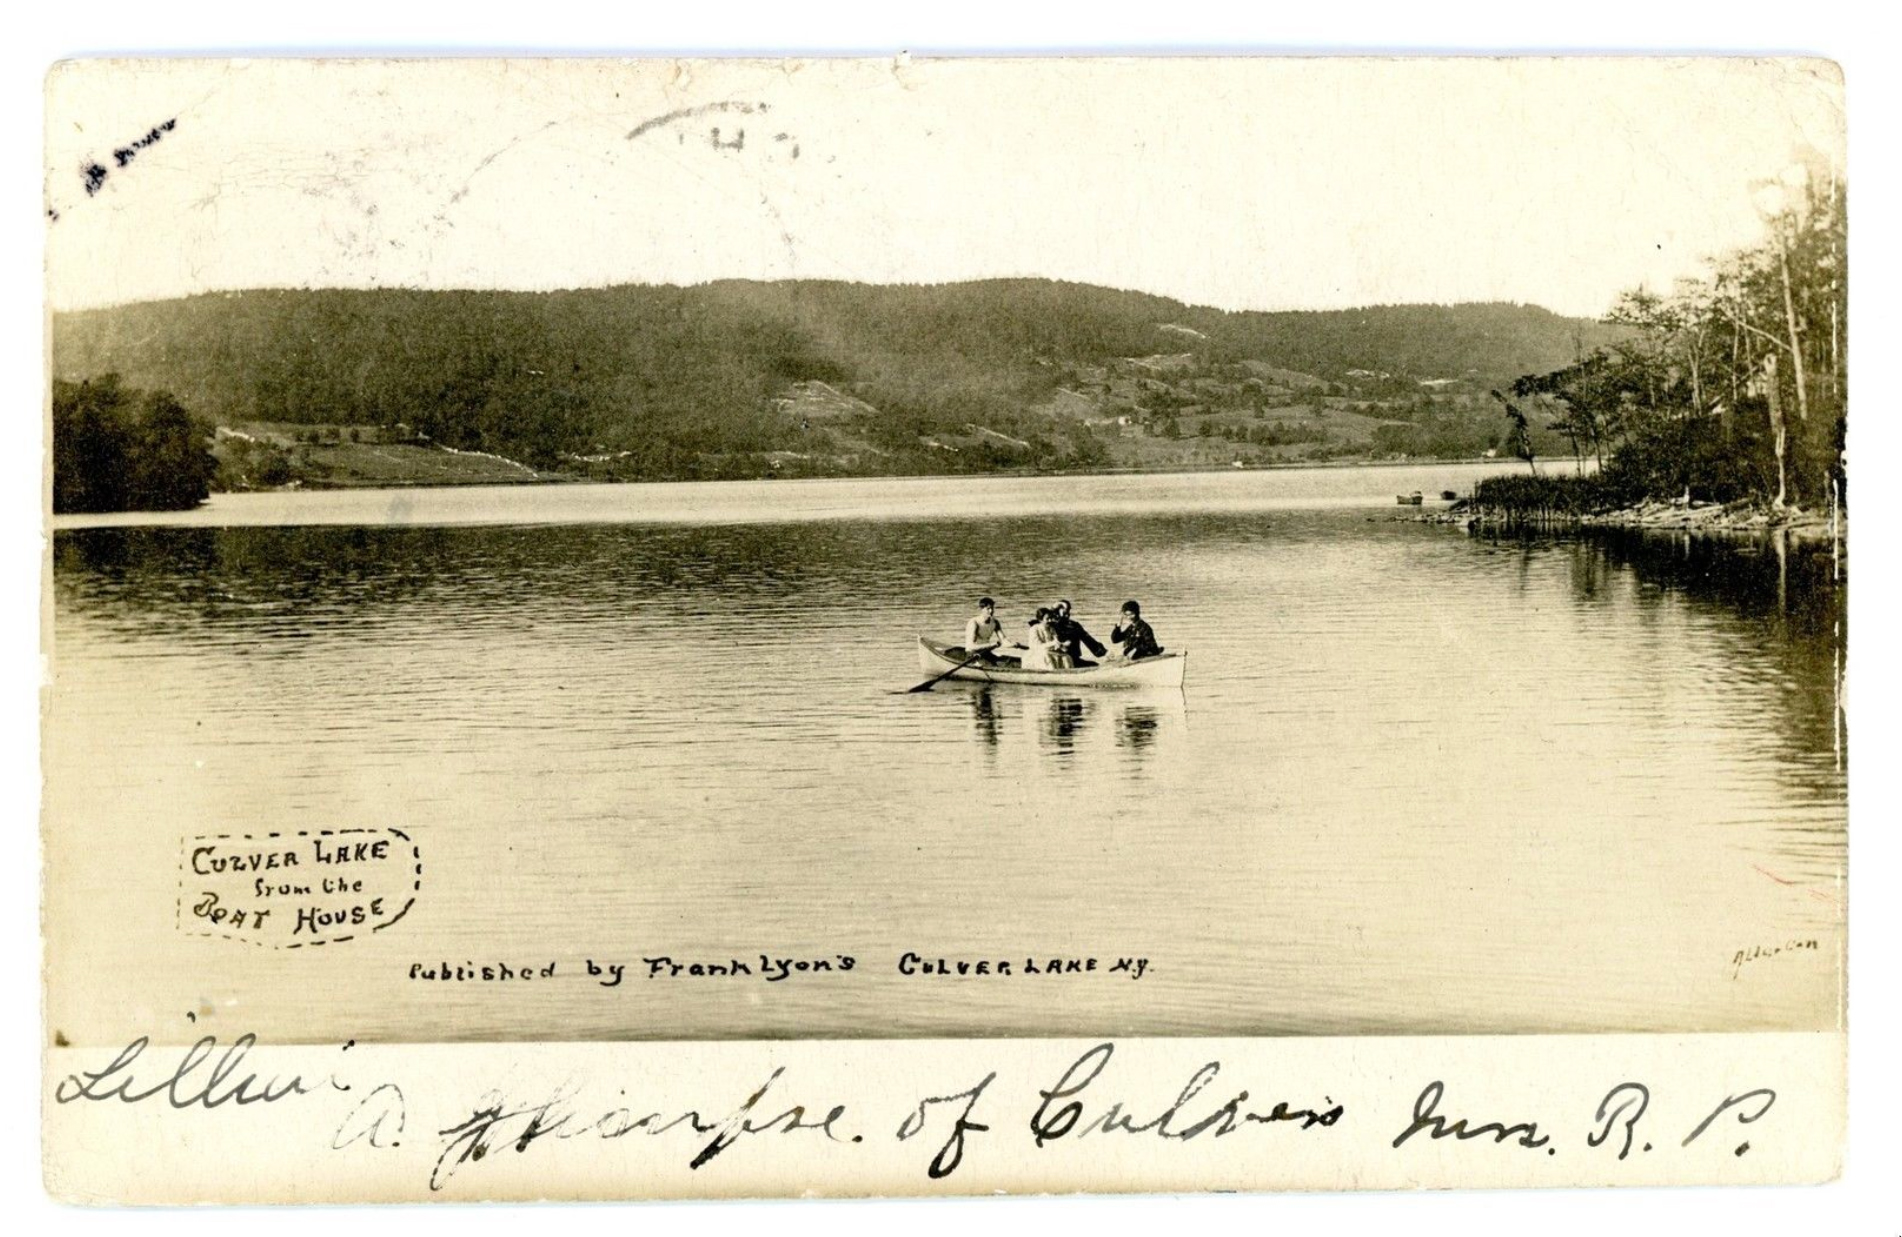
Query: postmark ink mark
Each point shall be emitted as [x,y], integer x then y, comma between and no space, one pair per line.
[667,118]
[93,175]
[127,153]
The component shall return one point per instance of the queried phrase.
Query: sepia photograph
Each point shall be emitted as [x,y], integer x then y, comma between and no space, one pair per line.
[656,552]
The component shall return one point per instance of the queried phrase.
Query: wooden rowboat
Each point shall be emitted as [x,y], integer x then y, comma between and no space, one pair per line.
[1162,671]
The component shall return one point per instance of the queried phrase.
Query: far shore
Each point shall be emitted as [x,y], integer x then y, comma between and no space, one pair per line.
[554,478]
[591,501]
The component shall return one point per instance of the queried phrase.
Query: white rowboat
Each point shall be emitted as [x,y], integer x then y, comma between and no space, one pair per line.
[1161,671]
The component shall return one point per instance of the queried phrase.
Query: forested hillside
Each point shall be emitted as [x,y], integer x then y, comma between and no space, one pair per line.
[740,379]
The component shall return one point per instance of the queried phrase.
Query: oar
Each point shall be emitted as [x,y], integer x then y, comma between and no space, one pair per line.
[930,683]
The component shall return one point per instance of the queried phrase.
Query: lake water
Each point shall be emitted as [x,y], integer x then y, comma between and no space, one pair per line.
[1417,781]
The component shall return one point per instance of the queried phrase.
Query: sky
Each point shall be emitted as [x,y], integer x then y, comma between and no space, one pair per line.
[1272,184]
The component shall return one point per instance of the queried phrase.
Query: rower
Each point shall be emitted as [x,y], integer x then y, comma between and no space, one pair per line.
[984,635]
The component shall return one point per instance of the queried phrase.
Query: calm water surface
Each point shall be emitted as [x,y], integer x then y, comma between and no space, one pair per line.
[1417,781]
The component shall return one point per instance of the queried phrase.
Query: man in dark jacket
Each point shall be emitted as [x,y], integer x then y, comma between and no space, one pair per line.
[1071,637]
[1134,636]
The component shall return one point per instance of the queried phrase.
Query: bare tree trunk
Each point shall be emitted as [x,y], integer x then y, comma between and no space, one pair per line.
[1789,317]
[1572,425]
[1835,350]
[1835,539]
[1777,429]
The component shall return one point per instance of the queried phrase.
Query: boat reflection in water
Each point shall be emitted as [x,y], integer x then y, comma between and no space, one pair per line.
[1098,730]
[1138,726]
[1064,719]
[986,715]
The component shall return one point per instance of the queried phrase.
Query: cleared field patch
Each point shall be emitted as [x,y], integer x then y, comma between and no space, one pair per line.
[370,455]
[409,464]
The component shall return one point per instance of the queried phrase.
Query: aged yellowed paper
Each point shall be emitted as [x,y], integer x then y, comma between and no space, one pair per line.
[668,628]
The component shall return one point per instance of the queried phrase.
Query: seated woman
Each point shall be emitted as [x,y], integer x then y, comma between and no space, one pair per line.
[1044,650]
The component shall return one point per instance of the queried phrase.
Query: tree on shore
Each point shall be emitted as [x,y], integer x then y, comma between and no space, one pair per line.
[1733,386]
[1520,435]
[120,449]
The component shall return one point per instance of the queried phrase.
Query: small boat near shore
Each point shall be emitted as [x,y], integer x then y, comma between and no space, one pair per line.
[1165,670]
[1410,500]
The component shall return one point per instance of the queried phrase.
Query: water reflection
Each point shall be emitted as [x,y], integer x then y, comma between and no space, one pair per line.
[1064,718]
[1768,614]
[1060,726]
[1138,726]
[986,714]
[1757,577]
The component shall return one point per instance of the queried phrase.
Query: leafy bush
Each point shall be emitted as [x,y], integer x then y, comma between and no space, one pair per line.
[1517,497]
[119,449]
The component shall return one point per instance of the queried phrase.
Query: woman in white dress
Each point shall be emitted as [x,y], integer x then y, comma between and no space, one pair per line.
[1044,649]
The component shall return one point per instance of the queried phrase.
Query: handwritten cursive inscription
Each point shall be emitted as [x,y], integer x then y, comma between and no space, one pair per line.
[1749,1107]
[1620,1109]
[1053,1121]
[1084,1102]
[1426,1118]
[495,1124]
[378,1120]
[1757,953]
[185,1086]
[951,1154]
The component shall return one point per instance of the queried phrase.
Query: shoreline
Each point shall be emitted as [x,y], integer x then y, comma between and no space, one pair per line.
[1744,518]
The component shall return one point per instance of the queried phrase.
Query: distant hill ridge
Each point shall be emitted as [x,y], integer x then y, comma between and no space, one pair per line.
[678,379]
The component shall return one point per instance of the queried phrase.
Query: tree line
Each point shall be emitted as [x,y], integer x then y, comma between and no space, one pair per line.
[1731,387]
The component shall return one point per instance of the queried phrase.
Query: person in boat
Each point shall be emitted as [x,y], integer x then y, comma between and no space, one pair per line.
[1044,649]
[1072,636]
[984,635]
[1133,637]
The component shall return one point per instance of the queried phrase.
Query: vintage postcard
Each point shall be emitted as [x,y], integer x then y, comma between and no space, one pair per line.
[652,628]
